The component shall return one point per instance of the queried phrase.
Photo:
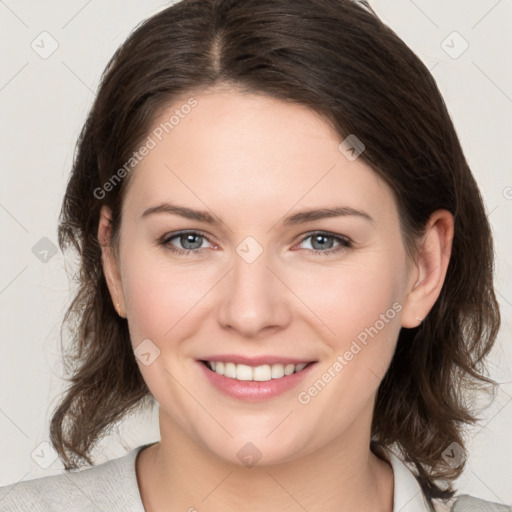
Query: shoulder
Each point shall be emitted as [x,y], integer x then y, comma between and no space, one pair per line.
[409,495]
[466,503]
[109,486]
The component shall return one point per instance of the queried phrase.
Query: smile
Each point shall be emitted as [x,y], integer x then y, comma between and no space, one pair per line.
[261,373]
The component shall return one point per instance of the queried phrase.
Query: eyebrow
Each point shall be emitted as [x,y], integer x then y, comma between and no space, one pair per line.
[296,218]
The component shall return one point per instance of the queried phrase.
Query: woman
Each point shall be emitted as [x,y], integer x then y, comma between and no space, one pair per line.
[283,246]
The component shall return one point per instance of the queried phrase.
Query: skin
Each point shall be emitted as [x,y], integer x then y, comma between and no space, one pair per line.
[251,160]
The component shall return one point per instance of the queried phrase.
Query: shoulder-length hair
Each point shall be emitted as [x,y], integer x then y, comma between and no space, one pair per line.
[337,58]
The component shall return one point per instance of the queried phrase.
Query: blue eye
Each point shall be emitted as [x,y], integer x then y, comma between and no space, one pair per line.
[192,242]
[322,243]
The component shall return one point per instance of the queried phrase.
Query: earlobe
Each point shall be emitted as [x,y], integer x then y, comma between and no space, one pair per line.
[431,265]
[109,260]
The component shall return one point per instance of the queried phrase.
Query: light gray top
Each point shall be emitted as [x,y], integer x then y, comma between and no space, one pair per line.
[112,487]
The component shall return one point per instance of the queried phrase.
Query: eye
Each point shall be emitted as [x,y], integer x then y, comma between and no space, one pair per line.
[190,241]
[323,243]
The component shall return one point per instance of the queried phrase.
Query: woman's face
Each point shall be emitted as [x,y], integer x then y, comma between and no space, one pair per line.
[255,286]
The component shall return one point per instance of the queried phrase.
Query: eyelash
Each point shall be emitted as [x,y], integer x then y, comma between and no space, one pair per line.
[344,242]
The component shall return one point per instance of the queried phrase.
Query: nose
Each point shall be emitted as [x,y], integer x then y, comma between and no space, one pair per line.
[254,298]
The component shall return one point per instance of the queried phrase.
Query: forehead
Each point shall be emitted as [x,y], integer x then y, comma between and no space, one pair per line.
[234,148]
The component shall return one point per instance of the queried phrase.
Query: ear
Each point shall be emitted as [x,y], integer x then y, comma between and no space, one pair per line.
[109,260]
[430,266]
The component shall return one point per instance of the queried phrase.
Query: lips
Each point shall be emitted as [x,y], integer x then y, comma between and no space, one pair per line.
[257,378]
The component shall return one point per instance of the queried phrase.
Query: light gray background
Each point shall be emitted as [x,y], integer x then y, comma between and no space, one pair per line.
[44,102]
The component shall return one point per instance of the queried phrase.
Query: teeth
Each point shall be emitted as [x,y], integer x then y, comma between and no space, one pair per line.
[230,370]
[254,373]
[243,372]
[289,369]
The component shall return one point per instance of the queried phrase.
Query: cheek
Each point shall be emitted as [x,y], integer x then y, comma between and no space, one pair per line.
[360,305]
[162,305]
[161,298]
[350,298]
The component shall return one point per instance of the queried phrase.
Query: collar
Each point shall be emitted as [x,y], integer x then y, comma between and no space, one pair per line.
[407,494]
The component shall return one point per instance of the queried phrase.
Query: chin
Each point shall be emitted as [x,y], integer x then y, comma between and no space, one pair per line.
[257,451]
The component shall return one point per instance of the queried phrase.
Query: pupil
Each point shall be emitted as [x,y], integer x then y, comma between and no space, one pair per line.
[318,238]
[185,239]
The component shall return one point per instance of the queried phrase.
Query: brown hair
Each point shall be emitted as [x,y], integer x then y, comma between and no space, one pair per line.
[337,58]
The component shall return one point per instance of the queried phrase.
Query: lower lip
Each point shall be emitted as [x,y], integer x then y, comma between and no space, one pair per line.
[254,390]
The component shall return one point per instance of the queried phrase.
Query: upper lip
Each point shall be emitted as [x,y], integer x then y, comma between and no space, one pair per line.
[255,360]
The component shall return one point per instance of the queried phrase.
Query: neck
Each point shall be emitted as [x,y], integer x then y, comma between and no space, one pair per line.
[179,474]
